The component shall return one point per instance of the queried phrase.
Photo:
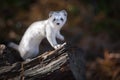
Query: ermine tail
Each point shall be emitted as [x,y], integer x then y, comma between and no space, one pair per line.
[13,45]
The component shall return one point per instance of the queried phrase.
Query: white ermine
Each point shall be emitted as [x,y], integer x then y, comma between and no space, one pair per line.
[50,29]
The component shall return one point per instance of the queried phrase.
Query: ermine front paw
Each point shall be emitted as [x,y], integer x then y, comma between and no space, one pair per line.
[57,46]
[27,60]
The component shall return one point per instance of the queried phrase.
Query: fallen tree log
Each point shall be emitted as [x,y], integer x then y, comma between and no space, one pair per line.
[45,63]
[42,66]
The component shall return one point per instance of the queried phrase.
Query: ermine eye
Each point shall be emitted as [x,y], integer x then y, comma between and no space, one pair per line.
[54,19]
[61,19]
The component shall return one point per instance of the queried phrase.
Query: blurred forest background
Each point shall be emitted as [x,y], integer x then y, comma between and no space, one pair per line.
[98,20]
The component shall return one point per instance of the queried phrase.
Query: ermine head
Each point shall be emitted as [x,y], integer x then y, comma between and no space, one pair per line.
[58,18]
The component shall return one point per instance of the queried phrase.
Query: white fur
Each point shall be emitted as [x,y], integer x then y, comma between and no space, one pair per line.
[29,45]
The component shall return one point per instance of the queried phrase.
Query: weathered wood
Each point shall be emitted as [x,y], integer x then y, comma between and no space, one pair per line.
[45,63]
[46,68]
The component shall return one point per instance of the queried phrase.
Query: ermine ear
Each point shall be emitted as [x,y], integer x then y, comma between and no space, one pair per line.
[50,14]
[65,12]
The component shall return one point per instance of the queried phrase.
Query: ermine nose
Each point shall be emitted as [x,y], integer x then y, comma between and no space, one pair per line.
[58,23]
